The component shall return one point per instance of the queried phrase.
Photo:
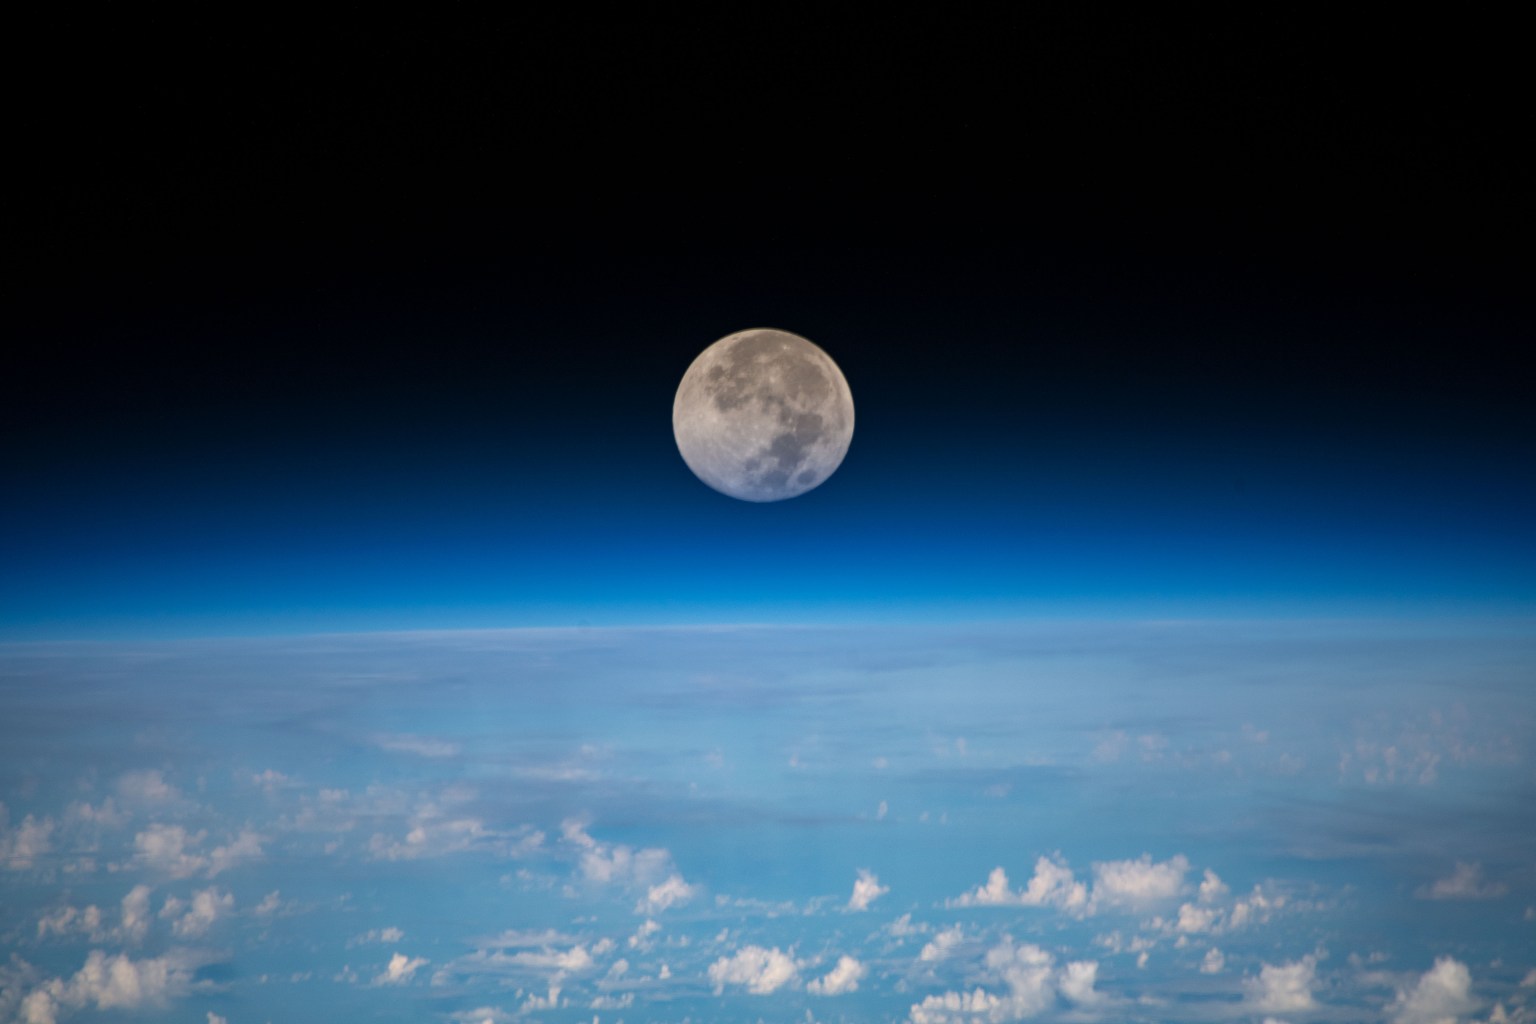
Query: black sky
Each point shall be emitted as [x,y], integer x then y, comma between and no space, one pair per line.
[248,241]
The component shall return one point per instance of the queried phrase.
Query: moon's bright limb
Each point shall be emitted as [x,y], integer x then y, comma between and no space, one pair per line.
[763,415]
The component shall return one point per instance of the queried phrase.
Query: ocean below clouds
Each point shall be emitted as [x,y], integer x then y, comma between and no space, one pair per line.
[1060,821]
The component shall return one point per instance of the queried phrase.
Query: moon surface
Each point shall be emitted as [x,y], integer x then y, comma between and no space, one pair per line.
[763,415]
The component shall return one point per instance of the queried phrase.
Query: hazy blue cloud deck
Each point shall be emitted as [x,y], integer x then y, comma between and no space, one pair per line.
[1180,821]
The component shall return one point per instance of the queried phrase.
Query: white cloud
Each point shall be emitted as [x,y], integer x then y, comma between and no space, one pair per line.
[1052,885]
[673,892]
[146,787]
[105,815]
[760,970]
[22,846]
[843,978]
[1032,982]
[535,1002]
[1464,883]
[108,983]
[136,913]
[1212,889]
[421,746]
[1194,920]
[1442,995]
[642,938]
[1285,988]
[206,908]
[432,834]
[943,944]
[866,889]
[400,969]
[481,1015]
[650,869]
[169,848]
[1139,882]
[214,1018]
[387,936]
[242,849]
[1214,963]
[1077,980]
[903,927]
[72,920]
[1255,909]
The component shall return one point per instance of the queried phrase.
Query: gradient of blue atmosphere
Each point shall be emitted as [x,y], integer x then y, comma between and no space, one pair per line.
[1163,651]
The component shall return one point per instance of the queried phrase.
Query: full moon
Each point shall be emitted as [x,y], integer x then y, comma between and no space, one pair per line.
[763,415]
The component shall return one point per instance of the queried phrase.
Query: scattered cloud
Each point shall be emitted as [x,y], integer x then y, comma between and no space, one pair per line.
[1464,883]
[843,978]
[244,848]
[1031,984]
[1214,963]
[761,971]
[1138,883]
[1286,988]
[672,892]
[109,982]
[1052,885]
[21,847]
[190,921]
[400,970]
[146,787]
[944,943]
[1441,995]
[421,746]
[866,889]
[169,849]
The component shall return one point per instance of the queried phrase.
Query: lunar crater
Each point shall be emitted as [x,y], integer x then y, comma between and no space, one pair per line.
[763,415]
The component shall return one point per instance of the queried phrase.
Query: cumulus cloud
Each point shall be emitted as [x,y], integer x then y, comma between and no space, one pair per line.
[1442,995]
[388,936]
[104,815]
[761,971]
[1285,988]
[21,847]
[670,893]
[109,983]
[649,869]
[1031,983]
[206,908]
[866,889]
[641,940]
[146,787]
[433,832]
[1194,920]
[72,920]
[1212,888]
[1052,885]
[244,848]
[843,978]
[170,849]
[943,944]
[136,913]
[400,969]
[1214,963]
[1137,883]
[1464,883]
